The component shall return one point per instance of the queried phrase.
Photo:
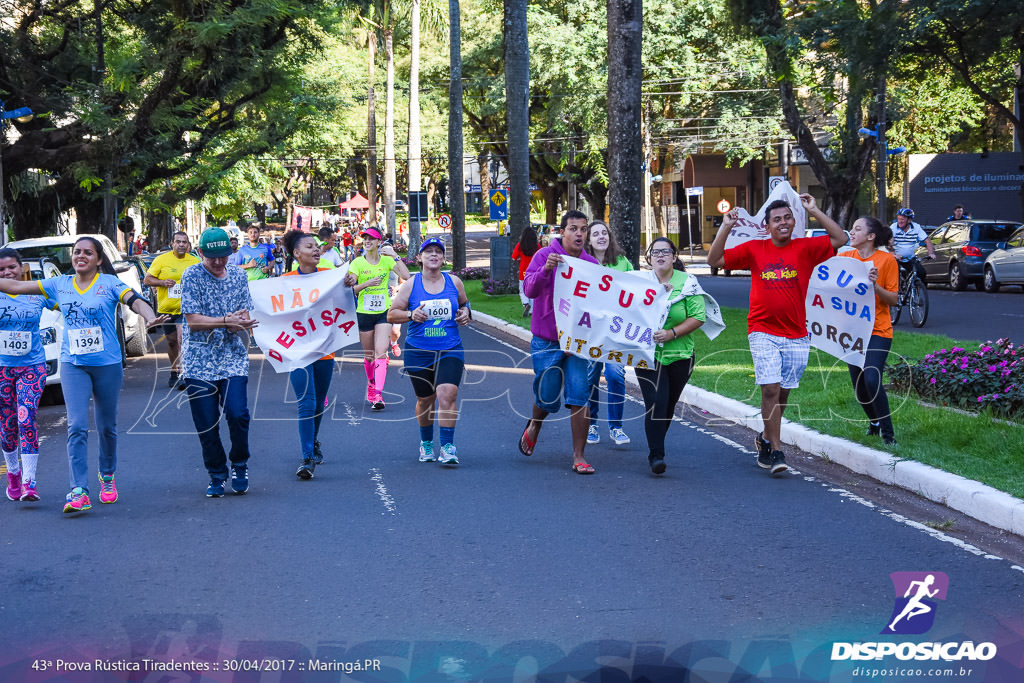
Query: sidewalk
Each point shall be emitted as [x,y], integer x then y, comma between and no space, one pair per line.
[977,500]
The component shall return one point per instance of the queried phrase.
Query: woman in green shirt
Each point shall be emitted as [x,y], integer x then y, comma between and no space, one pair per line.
[663,384]
[603,246]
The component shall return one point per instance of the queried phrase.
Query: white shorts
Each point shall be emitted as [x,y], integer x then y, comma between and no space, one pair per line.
[779,360]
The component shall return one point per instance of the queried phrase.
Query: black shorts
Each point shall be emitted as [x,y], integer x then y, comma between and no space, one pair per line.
[171,326]
[368,321]
[429,369]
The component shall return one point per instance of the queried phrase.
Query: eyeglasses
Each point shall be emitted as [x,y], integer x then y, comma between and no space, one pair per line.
[661,252]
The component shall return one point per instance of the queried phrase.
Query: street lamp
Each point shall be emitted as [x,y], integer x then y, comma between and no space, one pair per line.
[22,115]
[878,132]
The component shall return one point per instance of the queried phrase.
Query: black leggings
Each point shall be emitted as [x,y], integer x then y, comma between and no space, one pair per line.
[662,388]
[867,383]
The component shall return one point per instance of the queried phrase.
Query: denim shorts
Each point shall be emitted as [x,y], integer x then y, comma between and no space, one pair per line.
[779,360]
[558,374]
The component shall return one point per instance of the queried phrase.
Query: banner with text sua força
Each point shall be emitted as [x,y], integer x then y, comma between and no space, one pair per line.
[606,315]
[841,308]
[303,317]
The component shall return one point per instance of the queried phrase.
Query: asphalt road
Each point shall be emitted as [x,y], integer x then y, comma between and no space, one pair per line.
[502,568]
[967,315]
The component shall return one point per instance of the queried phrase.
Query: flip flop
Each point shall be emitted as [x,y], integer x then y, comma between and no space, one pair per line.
[527,450]
[582,468]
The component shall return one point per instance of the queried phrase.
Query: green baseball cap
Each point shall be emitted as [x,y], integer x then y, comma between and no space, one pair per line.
[215,243]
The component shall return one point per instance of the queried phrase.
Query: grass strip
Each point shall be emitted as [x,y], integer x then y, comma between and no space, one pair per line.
[977,447]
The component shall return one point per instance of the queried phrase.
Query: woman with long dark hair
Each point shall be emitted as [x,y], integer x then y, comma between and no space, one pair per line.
[22,379]
[663,384]
[604,246]
[866,236]
[523,252]
[90,361]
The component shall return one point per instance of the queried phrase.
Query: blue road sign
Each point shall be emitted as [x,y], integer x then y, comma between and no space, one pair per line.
[499,205]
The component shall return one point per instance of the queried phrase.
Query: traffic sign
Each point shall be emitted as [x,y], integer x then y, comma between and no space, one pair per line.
[445,221]
[723,206]
[695,191]
[499,205]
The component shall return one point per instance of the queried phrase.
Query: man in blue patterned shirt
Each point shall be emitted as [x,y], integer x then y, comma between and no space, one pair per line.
[215,303]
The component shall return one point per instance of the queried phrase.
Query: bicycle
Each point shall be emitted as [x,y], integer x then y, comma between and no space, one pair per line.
[912,293]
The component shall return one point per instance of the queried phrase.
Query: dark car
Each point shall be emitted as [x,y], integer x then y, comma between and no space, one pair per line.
[961,248]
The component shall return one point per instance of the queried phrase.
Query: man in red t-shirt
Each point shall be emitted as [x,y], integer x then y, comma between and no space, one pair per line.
[780,270]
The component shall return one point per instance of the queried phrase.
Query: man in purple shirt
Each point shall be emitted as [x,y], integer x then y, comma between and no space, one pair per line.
[556,372]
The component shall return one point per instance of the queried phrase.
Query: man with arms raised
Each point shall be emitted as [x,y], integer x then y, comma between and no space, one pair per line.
[780,271]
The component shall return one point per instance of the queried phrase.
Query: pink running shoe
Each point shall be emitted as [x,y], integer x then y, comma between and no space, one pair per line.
[396,350]
[77,501]
[14,486]
[28,492]
[108,489]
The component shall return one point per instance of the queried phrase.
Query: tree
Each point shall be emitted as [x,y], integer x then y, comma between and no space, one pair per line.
[517,117]
[455,156]
[625,74]
[840,52]
[122,82]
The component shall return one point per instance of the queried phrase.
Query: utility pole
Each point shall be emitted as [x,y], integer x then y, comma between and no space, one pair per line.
[456,184]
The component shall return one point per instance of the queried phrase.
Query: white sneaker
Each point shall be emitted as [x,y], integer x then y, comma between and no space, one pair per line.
[618,436]
[427,451]
[592,435]
[448,456]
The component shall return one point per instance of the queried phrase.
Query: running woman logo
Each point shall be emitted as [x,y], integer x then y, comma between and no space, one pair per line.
[916,595]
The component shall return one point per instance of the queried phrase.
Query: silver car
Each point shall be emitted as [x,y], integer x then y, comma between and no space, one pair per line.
[1005,265]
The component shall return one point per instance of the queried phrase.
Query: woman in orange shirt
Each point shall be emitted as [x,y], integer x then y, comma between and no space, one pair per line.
[524,251]
[865,238]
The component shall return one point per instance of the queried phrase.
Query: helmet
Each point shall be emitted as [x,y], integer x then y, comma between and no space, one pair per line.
[909,213]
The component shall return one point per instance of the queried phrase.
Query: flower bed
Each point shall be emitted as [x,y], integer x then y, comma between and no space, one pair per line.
[991,377]
[473,273]
[497,287]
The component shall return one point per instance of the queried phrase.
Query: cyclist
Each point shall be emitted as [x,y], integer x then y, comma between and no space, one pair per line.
[906,236]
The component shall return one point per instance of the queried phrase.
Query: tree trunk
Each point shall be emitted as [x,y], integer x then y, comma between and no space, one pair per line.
[552,193]
[624,144]
[161,225]
[414,144]
[485,184]
[389,135]
[597,196]
[371,134]
[456,185]
[517,116]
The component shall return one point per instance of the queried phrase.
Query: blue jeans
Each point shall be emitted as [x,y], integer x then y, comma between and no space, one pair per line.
[102,383]
[615,373]
[557,373]
[310,385]
[207,400]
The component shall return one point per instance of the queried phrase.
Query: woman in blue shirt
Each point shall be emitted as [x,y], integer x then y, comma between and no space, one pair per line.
[90,360]
[434,304]
[22,379]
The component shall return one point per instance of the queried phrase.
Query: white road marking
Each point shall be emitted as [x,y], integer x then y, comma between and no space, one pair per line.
[382,491]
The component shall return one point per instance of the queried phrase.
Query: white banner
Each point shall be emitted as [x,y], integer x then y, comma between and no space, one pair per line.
[606,315]
[841,308]
[303,317]
[753,227]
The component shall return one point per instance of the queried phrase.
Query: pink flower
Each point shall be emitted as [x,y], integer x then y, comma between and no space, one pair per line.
[932,380]
[943,371]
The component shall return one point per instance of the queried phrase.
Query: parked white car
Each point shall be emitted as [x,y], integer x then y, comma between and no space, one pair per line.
[56,249]
[51,332]
[1005,265]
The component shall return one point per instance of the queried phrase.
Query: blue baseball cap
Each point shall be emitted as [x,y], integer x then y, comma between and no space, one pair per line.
[431,241]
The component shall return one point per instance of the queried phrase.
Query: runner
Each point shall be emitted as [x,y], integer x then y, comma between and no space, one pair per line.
[434,304]
[255,258]
[312,382]
[90,360]
[372,302]
[663,384]
[215,301]
[604,247]
[22,379]
[165,275]
[556,373]
[868,232]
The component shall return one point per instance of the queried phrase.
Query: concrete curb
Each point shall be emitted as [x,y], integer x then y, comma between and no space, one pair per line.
[977,500]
